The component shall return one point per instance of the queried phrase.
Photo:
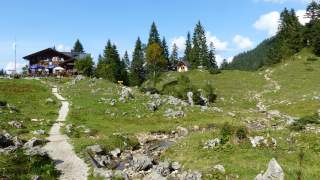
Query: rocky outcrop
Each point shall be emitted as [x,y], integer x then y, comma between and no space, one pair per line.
[274,172]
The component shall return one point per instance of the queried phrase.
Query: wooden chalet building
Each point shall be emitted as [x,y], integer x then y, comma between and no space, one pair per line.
[52,62]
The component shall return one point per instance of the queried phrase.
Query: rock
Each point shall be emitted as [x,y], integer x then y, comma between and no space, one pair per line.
[256,141]
[126,93]
[274,172]
[152,106]
[35,151]
[102,161]
[163,168]
[170,113]
[204,108]
[6,140]
[193,176]
[316,98]
[33,142]
[101,172]
[68,128]
[231,114]
[211,143]
[182,132]
[35,177]
[175,101]
[15,124]
[95,149]
[175,166]
[216,109]
[113,102]
[39,132]
[154,176]
[274,113]
[196,128]
[141,162]
[219,168]
[120,175]
[49,100]
[190,98]
[115,153]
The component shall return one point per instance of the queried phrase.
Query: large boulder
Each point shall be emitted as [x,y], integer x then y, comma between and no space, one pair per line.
[141,162]
[219,168]
[190,98]
[126,93]
[182,132]
[33,142]
[274,172]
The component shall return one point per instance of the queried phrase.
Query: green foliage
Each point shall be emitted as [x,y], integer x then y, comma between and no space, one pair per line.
[187,51]
[137,70]
[126,59]
[85,66]
[199,55]
[3,103]
[78,47]
[166,53]
[312,59]
[110,67]
[154,35]
[301,123]
[155,61]
[317,47]
[242,133]
[209,90]
[226,133]
[173,57]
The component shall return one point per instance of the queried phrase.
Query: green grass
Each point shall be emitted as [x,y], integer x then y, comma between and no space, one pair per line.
[29,98]
[299,80]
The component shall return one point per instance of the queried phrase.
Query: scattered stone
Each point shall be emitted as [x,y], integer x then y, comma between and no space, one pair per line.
[274,172]
[113,102]
[175,166]
[216,109]
[69,128]
[175,101]
[219,168]
[231,114]
[115,153]
[120,175]
[154,176]
[204,108]
[211,143]
[39,132]
[182,132]
[256,141]
[190,98]
[170,113]
[101,172]
[163,168]
[95,149]
[15,124]
[6,140]
[152,106]
[49,100]
[77,78]
[141,162]
[35,151]
[33,142]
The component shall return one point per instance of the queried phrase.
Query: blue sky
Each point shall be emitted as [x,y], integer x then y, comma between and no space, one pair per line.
[233,25]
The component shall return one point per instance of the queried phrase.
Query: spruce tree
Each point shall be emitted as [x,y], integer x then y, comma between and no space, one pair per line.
[187,51]
[126,59]
[313,11]
[78,47]
[224,65]
[212,64]
[154,35]
[174,57]
[199,52]
[165,52]
[85,66]
[137,70]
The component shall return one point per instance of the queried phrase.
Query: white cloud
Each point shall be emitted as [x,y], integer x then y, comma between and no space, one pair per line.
[268,22]
[63,48]
[242,42]
[301,14]
[218,44]
[10,67]
[180,42]
[219,59]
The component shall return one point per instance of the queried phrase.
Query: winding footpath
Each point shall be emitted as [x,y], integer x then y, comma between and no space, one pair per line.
[61,151]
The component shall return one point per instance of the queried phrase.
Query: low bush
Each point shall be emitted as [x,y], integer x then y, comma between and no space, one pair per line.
[300,124]
[242,133]
[312,59]
[214,71]
[226,133]
[151,90]
[210,93]
[3,103]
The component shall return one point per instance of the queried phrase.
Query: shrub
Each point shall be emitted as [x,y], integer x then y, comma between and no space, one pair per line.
[210,93]
[197,98]
[302,122]
[152,90]
[242,133]
[226,133]
[312,59]
[3,103]
[214,71]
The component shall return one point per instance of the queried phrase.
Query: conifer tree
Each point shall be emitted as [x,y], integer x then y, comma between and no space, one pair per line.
[212,64]
[137,70]
[224,65]
[78,47]
[187,51]
[174,57]
[85,66]
[313,11]
[126,59]
[199,52]
[165,52]
[154,35]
